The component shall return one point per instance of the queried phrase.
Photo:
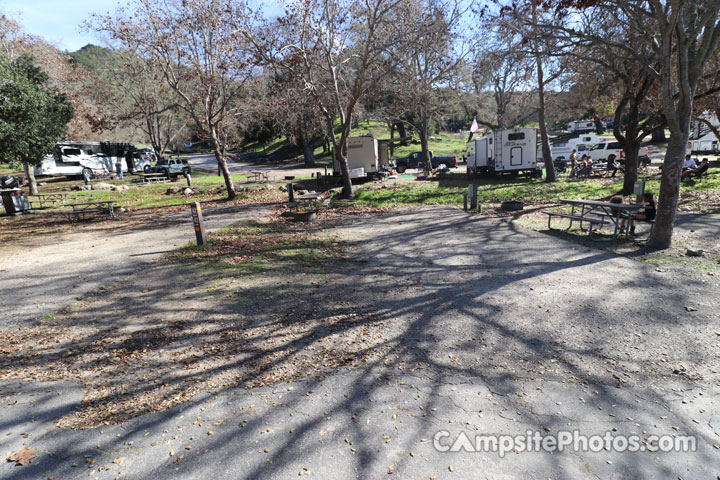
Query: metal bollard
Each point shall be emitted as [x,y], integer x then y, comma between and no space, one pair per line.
[188,178]
[291,195]
[465,202]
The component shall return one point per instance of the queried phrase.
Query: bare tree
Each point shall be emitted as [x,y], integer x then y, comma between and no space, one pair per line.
[145,99]
[337,48]
[427,57]
[502,66]
[200,53]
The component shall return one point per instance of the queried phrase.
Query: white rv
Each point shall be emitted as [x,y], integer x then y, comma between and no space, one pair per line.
[363,157]
[561,148]
[702,139]
[504,151]
[581,126]
[708,143]
[72,159]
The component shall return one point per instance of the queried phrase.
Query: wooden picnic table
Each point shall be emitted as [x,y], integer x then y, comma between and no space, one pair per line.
[81,209]
[157,177]
[595,212]
[45,200]
[259,175]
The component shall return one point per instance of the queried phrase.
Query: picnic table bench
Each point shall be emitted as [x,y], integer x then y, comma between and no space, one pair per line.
[594,213]
[47,200]
[155,178]
[260,175]
[82,210]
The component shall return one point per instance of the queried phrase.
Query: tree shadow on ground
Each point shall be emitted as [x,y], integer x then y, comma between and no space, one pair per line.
[508,306]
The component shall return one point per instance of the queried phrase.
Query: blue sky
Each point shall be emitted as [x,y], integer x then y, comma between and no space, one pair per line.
[57,21]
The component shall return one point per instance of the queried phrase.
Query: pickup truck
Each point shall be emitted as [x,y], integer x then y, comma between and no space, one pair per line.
[171,167]
[415,159]
[601,151]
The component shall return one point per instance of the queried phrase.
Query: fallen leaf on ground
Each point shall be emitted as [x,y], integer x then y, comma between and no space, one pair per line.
[22,456]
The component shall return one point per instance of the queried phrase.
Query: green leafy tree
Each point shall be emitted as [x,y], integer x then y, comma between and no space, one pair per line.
[32,117]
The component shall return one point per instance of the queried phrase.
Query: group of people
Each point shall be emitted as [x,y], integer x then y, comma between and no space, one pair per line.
[692,167]
[582,167]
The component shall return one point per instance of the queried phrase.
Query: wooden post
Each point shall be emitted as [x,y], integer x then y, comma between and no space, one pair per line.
[198,222]
[291,196]
[465,201]
[472,193]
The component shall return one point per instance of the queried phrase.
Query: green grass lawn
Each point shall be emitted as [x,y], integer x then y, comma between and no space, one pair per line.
[450,190]
[154,195]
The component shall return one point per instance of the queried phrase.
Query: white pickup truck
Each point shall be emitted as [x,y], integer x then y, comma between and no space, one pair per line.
[601,151]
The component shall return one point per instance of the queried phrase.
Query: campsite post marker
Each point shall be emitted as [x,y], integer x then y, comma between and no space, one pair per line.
[198,223]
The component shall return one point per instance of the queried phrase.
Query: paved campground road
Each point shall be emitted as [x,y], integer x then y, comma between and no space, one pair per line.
[481,328]
[56,271]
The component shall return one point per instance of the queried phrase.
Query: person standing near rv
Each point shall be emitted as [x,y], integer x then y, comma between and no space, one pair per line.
[573,162]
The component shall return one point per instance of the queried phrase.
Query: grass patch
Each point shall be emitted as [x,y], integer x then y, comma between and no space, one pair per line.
[253,248]
[450,191]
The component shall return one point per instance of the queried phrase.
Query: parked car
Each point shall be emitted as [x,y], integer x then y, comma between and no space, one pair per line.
[414,159]
[171,167]
[601,151]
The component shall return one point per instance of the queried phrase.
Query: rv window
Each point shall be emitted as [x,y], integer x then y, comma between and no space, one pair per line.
[71,151]
[614,145]
[491,141]
[516,136]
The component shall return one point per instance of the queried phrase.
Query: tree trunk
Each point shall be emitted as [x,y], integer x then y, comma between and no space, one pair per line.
[341,158]
[308,151]
[223,167]
[424,145]
[391,144]
[30,174]
[631,150]
[547,154]
[403,134]
[658,135]
[669,192]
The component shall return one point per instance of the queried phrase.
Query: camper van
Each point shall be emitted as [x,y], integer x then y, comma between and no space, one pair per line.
[581,126]
[364,157]
[504,151]
[73,159]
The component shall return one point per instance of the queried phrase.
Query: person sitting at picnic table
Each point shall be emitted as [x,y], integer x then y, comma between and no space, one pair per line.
[647,215]
[689,163]
[612,164]
[698,171]
[585,167]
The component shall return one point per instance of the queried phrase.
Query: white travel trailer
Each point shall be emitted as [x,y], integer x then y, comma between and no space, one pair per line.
[581,126]
[702,139]
[708,143]
[363,157]
[73,159]
[561,147]
[504,151]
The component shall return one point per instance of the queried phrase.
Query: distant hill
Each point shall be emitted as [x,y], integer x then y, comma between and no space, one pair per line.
[98,60]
